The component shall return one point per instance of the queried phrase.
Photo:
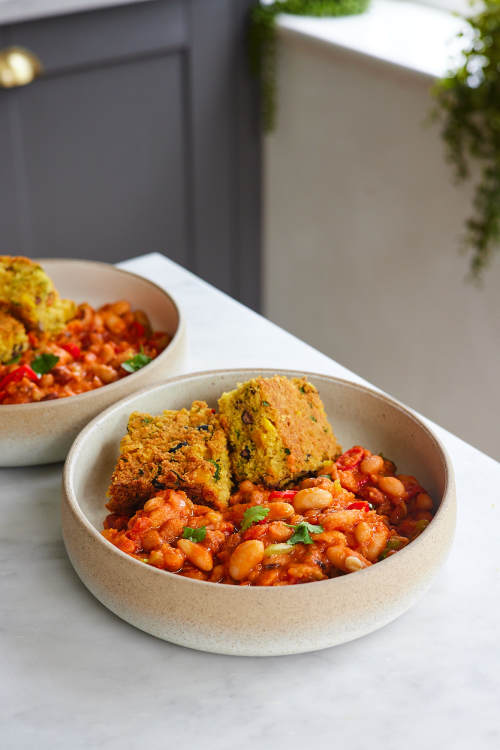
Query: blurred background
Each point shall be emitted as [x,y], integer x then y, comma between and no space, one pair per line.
[141,132]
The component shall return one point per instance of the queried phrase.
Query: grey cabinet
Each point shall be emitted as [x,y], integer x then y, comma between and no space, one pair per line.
[142,134]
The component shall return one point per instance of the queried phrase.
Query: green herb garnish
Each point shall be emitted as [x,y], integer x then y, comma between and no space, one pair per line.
[392,545]
[253,515]
[136,362]
[14,360]
[44,363]
[303,531]
[194,535]
[313,419]
[217,469]
[266,403]
[287,451]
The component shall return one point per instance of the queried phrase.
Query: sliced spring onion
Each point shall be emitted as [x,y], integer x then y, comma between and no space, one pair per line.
[278,549]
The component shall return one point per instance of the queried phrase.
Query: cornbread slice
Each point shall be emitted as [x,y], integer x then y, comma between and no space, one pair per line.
[13,338]
[183,449]
[27,293]
[277,430]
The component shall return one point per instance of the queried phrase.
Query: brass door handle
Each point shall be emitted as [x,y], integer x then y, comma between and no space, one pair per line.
[18,67]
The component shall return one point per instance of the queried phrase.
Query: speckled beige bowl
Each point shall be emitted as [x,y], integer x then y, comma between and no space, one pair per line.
[253,621]
[41,433]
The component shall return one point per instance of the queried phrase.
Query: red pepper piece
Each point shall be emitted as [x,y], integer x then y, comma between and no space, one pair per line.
[282,495]
[24,371]
[351,458]
[353,480]
[360,505]
[2,395]
[72,349]
[137,329]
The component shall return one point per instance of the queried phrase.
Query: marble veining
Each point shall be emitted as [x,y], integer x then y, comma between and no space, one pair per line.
[74,676]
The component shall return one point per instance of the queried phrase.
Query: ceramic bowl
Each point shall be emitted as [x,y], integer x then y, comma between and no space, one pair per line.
[42,432]
[256,620]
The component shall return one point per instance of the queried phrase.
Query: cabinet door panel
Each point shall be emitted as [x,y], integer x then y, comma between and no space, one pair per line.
[109,144]
[101,36]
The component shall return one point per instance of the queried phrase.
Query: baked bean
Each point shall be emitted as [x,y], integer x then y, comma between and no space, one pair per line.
[217,574]
[105,373]
[173,558]
[151,540]
[391,486]
[279,532]
[120,308]
[106,354]
[306,572]
[346,559]
[171,529]
[113,323]
[398,512]
[154,502]
[372,464]
[279,510]
[244,558]
[423,501]
[257,497]
[196,554]
[312,498]
[330,537]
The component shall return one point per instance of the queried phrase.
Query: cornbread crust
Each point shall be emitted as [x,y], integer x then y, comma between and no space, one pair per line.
[13,338]
[277,430]
[28,294]
[185,450]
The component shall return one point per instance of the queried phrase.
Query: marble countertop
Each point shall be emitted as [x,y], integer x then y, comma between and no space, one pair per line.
[17,11]
[74,676]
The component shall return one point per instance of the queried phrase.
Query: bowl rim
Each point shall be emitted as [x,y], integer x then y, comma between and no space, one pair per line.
[177,336]
[70,497]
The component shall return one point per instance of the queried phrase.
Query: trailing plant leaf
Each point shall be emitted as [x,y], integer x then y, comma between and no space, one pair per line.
[469,105]
[262,41]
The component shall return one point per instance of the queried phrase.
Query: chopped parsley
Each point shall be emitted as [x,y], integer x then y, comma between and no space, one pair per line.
[302,389]
[313,419]
[253,515]
[287,451]
[14,360]
[44,363]
[136,362]
[194,535]
[217,469]
[266,403]
[202,427]
[146,420]
[302,532]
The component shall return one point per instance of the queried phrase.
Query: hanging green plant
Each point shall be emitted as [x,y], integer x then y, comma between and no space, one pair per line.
[469,105]
[262,41]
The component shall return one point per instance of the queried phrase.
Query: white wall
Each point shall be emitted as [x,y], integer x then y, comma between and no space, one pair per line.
[362,227]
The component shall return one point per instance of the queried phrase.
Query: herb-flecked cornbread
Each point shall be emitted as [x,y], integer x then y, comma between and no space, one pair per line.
[184,450]
[13,338]
[27,293]
[277,430]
